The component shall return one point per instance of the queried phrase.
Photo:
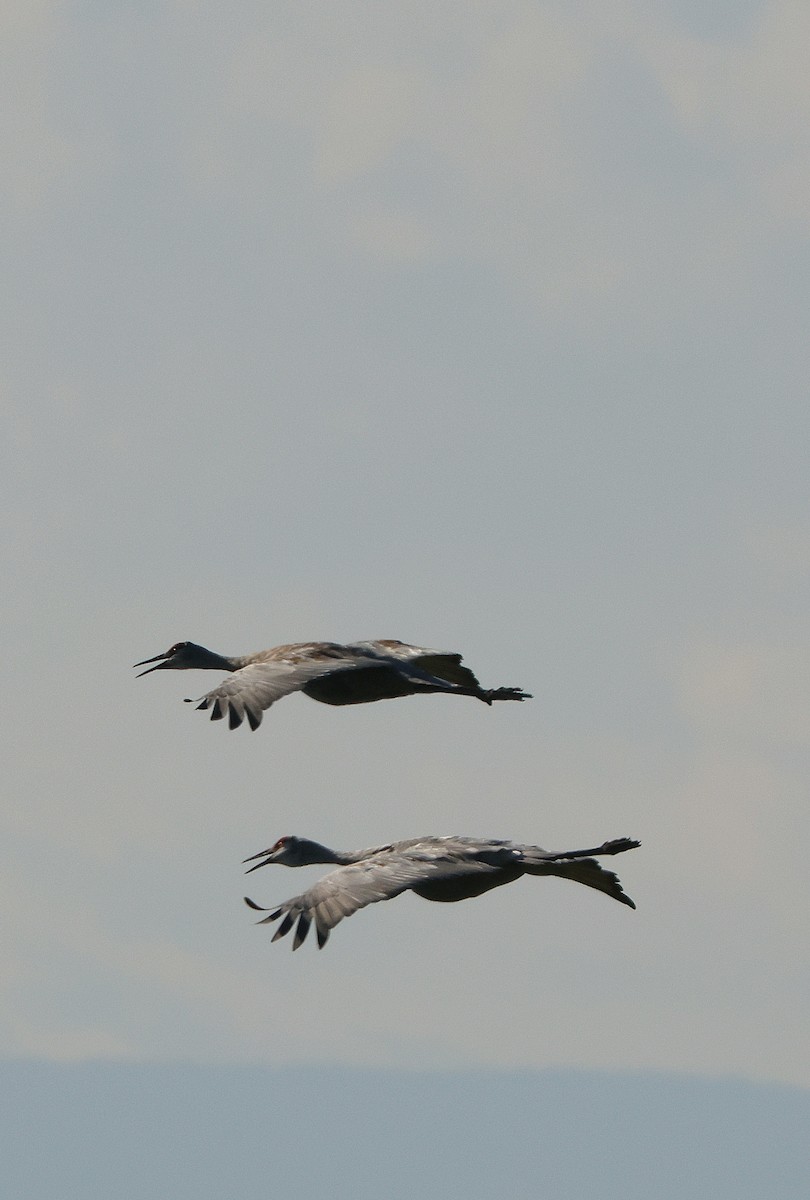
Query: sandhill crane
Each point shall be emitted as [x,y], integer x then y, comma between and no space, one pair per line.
[356,673]
[436,868]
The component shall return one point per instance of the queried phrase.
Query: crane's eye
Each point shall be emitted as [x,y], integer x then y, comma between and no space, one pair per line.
[281,842]
[178,646]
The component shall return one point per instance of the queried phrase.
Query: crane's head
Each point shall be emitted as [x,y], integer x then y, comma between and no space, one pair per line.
[182,656]
[285,850]
[292,852]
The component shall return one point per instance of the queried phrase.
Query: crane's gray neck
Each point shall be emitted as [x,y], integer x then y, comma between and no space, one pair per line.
[314,852]
[209,660]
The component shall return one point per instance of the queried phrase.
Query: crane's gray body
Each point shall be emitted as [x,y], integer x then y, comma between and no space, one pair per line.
[354,673]
[443,869]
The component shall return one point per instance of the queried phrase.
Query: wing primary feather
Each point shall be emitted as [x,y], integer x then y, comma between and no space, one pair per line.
[302,929]
[285,926]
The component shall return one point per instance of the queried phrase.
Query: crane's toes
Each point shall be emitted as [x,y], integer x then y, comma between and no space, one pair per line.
[506,693]
[619,845]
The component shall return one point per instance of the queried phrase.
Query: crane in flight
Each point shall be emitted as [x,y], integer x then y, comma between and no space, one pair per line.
[436,868]
[355,673]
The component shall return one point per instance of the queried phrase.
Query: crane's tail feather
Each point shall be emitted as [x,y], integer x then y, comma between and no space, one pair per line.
[589,872]
[582,867]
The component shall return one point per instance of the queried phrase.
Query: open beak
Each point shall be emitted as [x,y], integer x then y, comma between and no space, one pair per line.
[266,855]
[156,659]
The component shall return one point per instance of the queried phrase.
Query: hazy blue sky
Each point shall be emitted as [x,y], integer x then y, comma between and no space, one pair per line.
[479,325]
[205,1133]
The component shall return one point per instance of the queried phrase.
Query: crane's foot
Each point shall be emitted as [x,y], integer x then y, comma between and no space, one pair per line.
[504,693]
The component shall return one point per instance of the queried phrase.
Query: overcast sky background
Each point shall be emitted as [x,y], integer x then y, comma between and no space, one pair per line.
[478,325]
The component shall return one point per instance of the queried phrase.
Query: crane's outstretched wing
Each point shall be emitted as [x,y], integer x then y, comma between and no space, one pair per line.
[347,889]
[252,689]
[279,672]
[440,664]
[357,673]
[391,668]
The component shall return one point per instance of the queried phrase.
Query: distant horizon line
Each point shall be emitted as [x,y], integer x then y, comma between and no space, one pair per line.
[685,1076]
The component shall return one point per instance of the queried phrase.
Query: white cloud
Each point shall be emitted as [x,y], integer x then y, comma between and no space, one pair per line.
[512,123]
[748,101]
[754,692]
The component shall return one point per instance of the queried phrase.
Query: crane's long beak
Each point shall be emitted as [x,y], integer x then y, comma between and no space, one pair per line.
[263,854]
[156,659]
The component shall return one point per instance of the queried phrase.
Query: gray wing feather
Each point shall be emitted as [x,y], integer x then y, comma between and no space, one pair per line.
[251,690]
[420,663]
[347,889]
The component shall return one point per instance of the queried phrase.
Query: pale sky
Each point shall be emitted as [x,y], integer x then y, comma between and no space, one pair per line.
[479,325]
